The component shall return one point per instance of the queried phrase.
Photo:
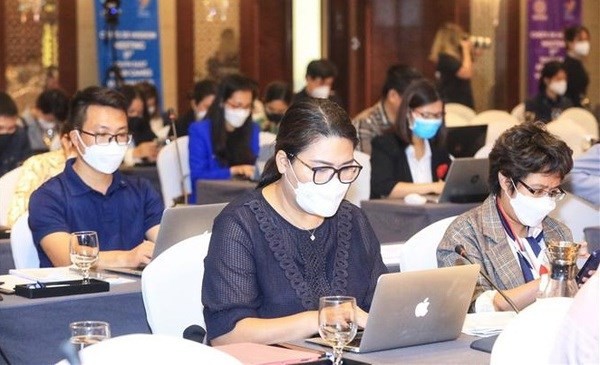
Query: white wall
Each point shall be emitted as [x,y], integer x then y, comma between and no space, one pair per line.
[306,33]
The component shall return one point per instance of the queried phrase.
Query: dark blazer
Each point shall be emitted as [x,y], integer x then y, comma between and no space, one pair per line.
[389,164]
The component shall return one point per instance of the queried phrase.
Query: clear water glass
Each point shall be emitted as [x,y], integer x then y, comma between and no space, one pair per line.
[86,333]
[84,249]
[337,323]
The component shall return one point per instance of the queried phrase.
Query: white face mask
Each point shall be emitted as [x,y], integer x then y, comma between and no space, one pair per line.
[322,200]
[236,117]
[582,48]
[151,110]
[559,87]
[529,210]
[321,92]
[201,114]
[104,159]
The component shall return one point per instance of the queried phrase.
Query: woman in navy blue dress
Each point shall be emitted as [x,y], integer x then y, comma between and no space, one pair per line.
[276,251]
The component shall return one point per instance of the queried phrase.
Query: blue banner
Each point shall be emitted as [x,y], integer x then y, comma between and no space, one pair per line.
[128,42]
[546,21]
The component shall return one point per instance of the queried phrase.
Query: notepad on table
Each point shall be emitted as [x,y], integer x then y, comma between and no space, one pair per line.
[255,354]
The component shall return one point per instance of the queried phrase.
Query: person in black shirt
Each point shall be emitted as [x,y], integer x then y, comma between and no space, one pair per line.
[14,143]
[547,105]
[320,75]
[201,98]
[451,52]
[577,40]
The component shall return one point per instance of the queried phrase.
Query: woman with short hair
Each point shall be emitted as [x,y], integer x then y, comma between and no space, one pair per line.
[507,234]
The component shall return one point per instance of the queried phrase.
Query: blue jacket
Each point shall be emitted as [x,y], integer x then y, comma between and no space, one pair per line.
[203,162]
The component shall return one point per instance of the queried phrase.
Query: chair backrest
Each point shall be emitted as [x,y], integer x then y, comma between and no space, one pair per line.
[574,135]
[583,118]
[24,253]
[8,185]
[455,120]
[488,116]
[459,109]
[419,252]
[577,214]
[529,338]
[141,348]
[497,126]
[484,152]
[174,170]
[519,112]
[360,189]
[171,287]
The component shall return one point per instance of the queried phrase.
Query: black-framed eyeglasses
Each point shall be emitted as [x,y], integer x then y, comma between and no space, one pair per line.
[103,139]
[324,174]
[555,194]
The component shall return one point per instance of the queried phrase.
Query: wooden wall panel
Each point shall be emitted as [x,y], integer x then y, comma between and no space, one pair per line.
[67,45]
[266,40]
[185,52]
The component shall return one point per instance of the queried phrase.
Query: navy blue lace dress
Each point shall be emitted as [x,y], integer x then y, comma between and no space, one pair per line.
[259,265]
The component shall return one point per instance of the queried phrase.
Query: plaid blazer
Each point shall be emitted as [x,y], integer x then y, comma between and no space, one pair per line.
[481,232]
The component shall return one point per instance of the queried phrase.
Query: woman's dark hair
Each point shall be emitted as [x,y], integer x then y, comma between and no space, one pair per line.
[302,124]
[525,149]
[140,129]
[237,151]
[203,89]
[55,102]
[7,105]
[549,70]
[93,95]
[571,33]
[278,90]
[420,92]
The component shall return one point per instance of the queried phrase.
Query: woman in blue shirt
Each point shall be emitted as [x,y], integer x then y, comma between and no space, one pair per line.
[225,143]
[275,251]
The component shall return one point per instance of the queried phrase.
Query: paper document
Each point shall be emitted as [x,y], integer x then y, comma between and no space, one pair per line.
[486,323]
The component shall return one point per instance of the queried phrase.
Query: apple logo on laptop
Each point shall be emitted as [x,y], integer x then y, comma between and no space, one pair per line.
[422,308]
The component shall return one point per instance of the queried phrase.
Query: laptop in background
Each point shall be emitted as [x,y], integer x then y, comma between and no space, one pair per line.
[178,223]
[465,141]
[416,308]
[466,182]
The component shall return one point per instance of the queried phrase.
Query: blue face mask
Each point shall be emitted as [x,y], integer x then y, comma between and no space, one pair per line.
[426,128]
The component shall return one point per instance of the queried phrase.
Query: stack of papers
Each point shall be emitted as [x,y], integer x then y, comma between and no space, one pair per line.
[486,323]
[53,274]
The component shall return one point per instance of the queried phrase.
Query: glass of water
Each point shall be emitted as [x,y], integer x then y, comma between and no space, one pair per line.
[85,333]
[337,323]
[84,249]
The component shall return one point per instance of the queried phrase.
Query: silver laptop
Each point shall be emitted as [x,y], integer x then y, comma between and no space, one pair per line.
[415,308]
[466,182]
[178,223]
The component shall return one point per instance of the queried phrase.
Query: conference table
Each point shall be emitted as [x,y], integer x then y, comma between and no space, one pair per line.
[221,191]
[393,220]
[32,330]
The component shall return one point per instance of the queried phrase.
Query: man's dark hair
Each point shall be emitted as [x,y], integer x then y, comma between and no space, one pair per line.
[278,90]
[525,149]
[8,107]
[321,69]
[571,33]
[203,89]
[55,102]
[94,95]
[398,78]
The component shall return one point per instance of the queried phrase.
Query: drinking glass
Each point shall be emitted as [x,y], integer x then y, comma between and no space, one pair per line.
[337,323]
[84,250]
[86,333]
